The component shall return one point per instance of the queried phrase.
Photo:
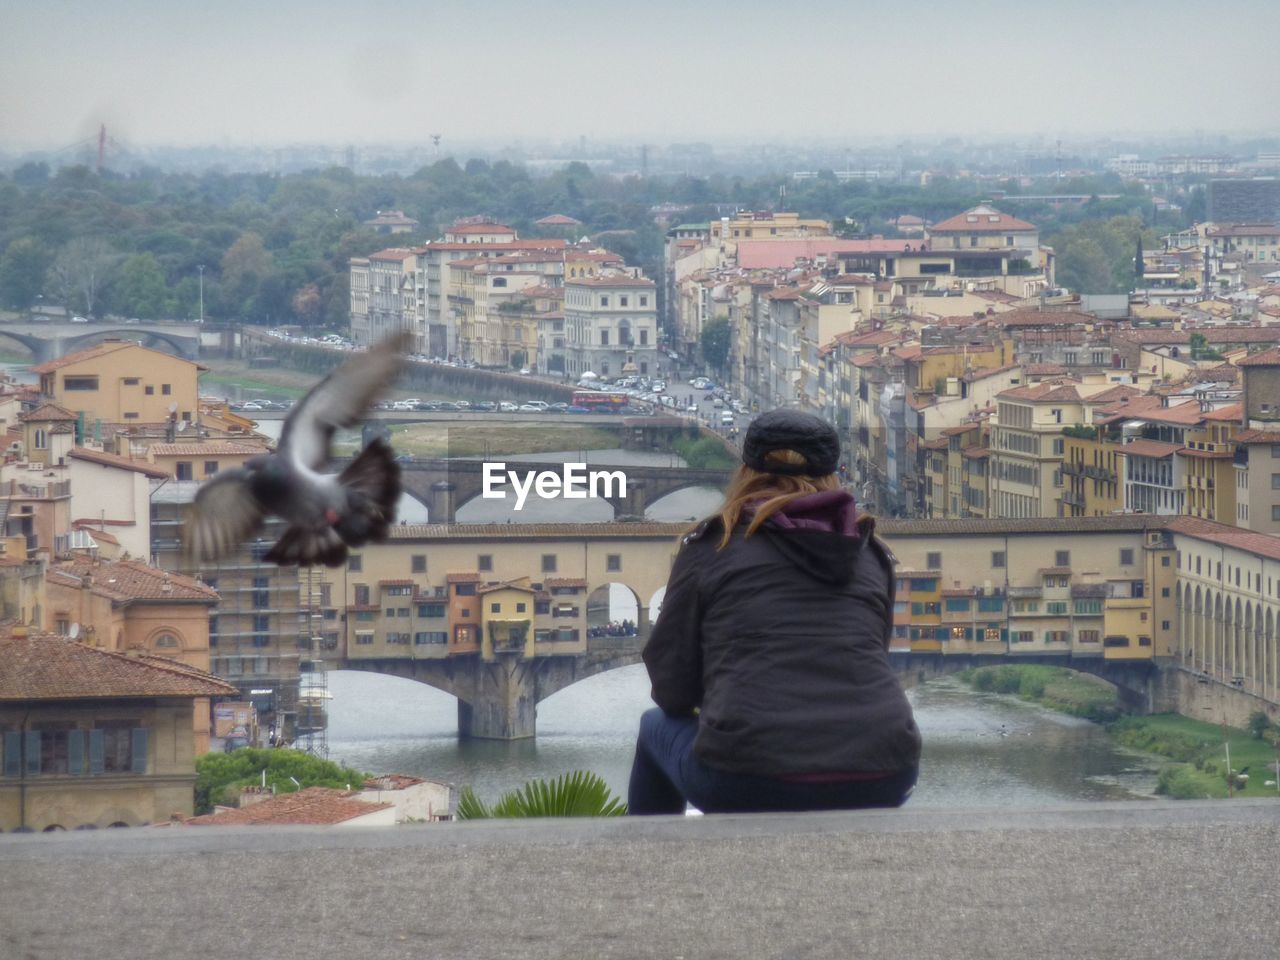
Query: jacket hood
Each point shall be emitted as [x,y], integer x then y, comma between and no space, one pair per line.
[819,533]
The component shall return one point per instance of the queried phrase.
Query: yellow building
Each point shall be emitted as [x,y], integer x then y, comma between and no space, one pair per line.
[1092,472]
[201,459]
[506,619]
[95,738]
[770,225]
[120,382]
[127,606]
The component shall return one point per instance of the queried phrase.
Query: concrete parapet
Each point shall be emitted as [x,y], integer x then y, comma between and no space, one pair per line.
[1133,880]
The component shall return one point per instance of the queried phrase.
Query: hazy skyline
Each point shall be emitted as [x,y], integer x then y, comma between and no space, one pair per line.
[268,73]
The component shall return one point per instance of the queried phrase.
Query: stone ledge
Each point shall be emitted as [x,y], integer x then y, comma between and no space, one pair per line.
[1131,880]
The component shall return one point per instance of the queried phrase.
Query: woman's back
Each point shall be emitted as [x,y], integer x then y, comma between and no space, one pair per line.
[794,635]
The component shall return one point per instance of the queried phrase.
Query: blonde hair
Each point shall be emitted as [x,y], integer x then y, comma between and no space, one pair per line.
[772,491]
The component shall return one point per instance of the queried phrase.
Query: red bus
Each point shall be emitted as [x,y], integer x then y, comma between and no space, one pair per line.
[598,401]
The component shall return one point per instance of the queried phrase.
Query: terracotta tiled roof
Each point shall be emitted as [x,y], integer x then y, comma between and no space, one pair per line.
[558,220]
[1211,335]
[1150,448]
[1232,411]
[492,587]
[1043,369]
[1260,543]
[206,448]
[1043,393]
[1245,230]
[47,412]
[470,229]
[55,668]
[123,581]
[1267,358]
[101,350]
[314,806]
[986,220]
[1114,394]
[1258,436]
[976,453]
[113,460]
[564,582]
[460,577]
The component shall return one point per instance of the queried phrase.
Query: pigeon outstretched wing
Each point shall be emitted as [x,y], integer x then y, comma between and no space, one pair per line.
[225,513]
[340,400]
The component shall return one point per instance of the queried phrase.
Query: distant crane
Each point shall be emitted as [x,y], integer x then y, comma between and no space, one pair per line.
[103,141]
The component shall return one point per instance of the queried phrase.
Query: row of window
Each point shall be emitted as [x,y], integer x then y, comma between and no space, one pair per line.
[484,564]
[65,749]
[999,560]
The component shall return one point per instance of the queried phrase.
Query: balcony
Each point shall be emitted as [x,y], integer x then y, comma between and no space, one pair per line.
[1073,499]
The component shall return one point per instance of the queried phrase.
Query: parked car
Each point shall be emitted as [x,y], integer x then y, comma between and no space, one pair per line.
[462,404]
[79,319]
[530,408]
[506,406]
[726,418]
[487,406]
[560,407]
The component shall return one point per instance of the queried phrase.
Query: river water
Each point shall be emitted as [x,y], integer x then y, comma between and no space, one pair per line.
[981,749]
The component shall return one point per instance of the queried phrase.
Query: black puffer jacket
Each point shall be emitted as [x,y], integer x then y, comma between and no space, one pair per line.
[781,641]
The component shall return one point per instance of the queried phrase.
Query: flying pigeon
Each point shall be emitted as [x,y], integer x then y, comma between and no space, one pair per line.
[326,512]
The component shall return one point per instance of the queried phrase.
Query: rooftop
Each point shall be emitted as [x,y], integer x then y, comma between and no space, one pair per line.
[44,667]
[314,806]
[122,581]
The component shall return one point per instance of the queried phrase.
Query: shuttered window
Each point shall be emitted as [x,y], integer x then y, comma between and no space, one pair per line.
[140,750]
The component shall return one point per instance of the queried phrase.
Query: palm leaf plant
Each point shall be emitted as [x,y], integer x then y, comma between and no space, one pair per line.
[576,794]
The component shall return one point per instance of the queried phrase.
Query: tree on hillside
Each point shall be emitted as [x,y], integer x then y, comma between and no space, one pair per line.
[140,290]
[81,271]
[1083,268]
[715,342]
[22,272]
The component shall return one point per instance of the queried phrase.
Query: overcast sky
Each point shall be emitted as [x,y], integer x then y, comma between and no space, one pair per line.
[279,71]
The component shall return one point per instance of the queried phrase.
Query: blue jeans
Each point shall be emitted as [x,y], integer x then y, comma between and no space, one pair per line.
[666,775]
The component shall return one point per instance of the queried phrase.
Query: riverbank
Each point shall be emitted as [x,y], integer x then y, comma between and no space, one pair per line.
[1067,691]
[1198,750]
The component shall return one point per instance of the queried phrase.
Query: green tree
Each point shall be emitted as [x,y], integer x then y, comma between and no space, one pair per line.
[577,794]
[22,272]
[219,776]
[1083,268]
[140,290]
[247,258]
[82,269]
[715,342]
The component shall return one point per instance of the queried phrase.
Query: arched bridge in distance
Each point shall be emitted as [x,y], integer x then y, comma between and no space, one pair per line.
[53,339]
[498,699]
[445,486]
[498,689]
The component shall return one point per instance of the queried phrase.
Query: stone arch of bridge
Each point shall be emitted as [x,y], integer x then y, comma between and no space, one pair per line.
[30,343]
[181,347]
